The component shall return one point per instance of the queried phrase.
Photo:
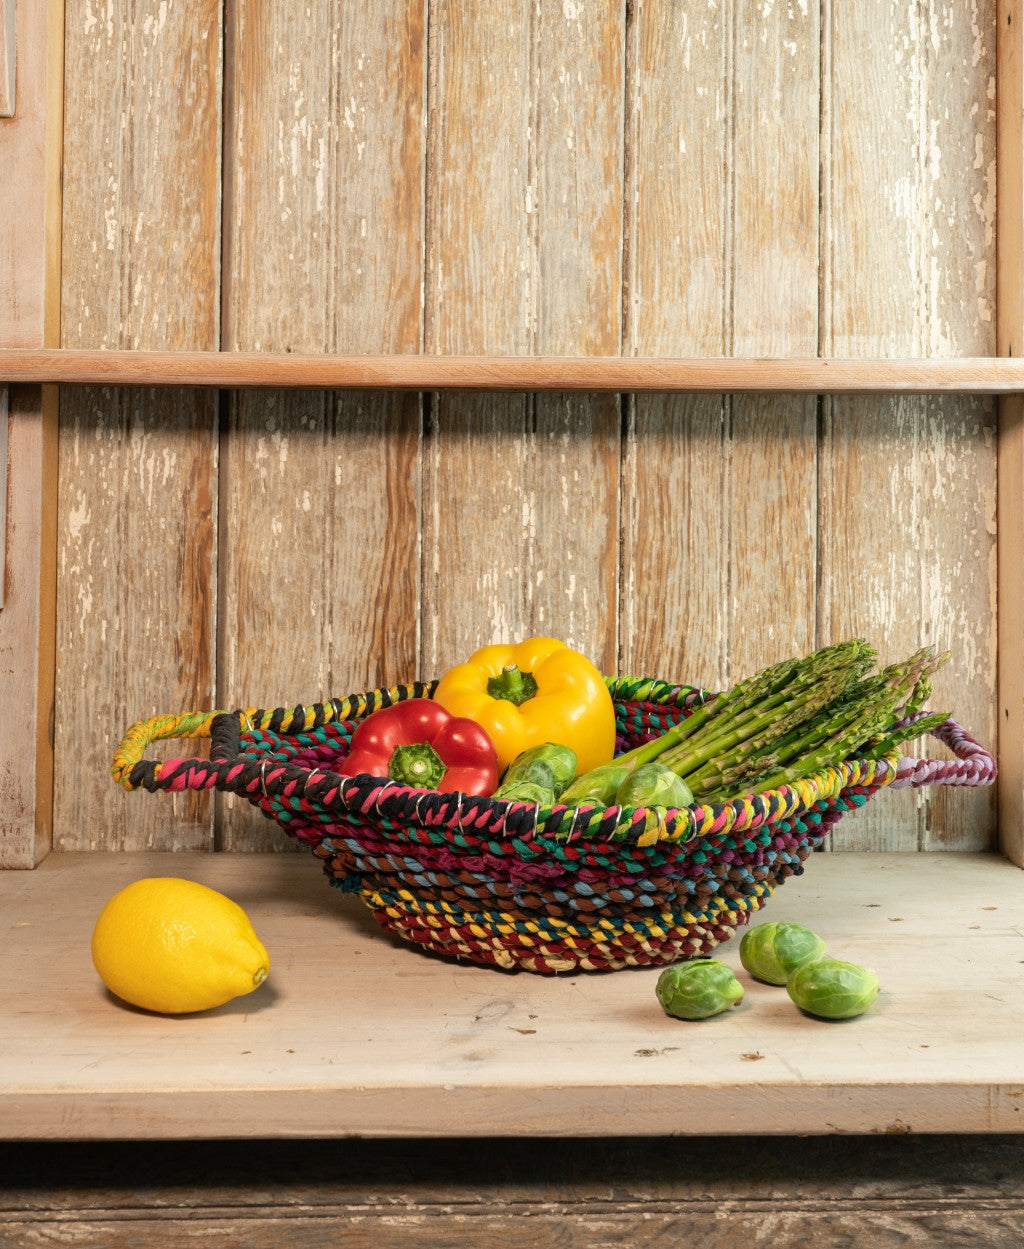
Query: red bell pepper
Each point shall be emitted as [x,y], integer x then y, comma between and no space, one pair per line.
[418,743]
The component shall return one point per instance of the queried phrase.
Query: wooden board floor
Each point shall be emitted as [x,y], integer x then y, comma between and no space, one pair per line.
[356,1034]
[834,1193]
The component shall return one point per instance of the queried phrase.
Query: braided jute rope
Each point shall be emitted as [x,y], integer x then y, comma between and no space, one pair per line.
[514,885]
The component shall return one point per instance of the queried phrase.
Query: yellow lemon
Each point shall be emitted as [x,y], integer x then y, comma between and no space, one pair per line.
[175,946]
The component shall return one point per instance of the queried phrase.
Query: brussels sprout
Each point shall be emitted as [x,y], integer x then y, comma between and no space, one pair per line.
[550,765]
[524,791]
[698,989]
[832,989]
[537,776]
[596,788]
[653,785]
[772,952]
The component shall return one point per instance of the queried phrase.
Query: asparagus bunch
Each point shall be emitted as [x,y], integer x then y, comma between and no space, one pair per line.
[794,719]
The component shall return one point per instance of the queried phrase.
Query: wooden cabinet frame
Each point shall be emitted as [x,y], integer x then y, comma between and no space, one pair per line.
[30,317]
[56,1092]
[31,362]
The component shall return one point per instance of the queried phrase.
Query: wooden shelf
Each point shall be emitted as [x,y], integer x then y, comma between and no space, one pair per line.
[414,372]
[357,1034]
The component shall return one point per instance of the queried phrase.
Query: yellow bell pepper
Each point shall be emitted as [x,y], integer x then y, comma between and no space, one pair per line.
[534,692]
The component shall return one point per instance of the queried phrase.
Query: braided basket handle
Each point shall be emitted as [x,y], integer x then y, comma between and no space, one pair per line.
[131,769]
[972,765]
[133,746]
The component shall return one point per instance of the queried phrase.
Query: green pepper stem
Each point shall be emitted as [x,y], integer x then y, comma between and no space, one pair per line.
[418,765]
[513,685]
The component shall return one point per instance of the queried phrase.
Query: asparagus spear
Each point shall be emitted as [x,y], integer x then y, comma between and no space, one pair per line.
[748,704]
[867,712]
[793,719]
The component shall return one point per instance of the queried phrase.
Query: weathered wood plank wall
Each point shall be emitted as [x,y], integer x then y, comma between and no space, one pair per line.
[321,493]
[137,554]
[908,486]
[658,177]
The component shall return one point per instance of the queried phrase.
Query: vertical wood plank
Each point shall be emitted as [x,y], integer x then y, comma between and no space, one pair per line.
[320,564]
[871,299]
[572,566]
[8,58]
[29,190]
[771,505]
[30,147]
[674,604]
[1010,480]
[524,248]
[723,259]
[26,628]
[958,463]
[4,461]
[872,205]
[906,541]
[137,523]
[480,279]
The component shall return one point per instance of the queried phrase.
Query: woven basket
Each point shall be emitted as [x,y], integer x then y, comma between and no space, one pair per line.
[548,889]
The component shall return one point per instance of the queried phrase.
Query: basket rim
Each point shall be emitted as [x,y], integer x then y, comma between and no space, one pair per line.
[374,799]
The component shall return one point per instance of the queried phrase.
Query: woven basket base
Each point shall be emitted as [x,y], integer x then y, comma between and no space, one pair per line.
[540,944]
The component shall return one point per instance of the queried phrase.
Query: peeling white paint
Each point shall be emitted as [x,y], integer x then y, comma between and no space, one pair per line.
[151,25]
[78,517]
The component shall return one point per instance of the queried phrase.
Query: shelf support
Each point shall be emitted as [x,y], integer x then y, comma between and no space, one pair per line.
[1010,468]
[29,319]
[4,473]
[8,52]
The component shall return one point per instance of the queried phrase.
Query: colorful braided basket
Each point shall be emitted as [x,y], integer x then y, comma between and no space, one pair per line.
[548,889]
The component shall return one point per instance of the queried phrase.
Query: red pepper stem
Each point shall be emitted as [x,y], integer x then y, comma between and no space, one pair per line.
[418,765]
[513,685]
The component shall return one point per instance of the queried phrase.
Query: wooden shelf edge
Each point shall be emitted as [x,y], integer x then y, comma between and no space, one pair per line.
[981,375]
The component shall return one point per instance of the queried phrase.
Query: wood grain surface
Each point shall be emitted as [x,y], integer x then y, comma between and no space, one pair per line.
[750,375]
[320,525]
[137,552]
[30,149]
[524,249]
[1010,448]
[708,478]
[906,503]
[521,179]
[8,58]
[772,453]
[942,1191]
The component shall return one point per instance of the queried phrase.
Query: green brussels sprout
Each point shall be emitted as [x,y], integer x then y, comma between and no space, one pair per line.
[698,989]
[533,772]
[596,788]
[832,989]
[653,785]
[551,765]
[537,776]
[772,952]
[524,791]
